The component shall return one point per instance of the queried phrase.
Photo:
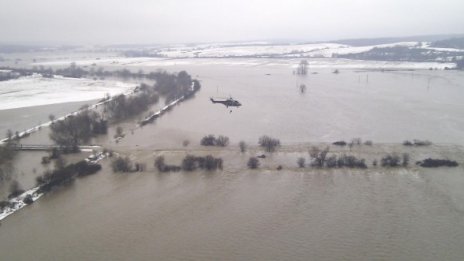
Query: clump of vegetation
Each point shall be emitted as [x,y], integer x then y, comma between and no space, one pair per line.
[84,168]
[161,166]
[253,163]
[222,141]
[268,143]
[8,150]
[347,161]
[211,140]
[185,143]
[301,162]
[28,199]
[318,156]
[191,163]
[119,133]
[405,162]
[368,143]
[243,146]
[77,129]
[65,175]
[6,204]
[417,143]
[302,68]
[391,160]
[122,106]
[434,163]
[122,164]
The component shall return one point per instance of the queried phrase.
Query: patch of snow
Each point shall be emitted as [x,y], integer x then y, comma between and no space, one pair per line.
[36,90]
[18,202]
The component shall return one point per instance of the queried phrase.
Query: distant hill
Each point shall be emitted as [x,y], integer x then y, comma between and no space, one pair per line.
[388,40]
[457,43]
[404,53]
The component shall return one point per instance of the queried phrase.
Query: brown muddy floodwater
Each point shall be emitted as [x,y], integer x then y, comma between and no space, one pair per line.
[251,215]
[374,214]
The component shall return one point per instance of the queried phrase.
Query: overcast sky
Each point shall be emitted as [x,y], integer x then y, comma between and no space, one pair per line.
[186,21]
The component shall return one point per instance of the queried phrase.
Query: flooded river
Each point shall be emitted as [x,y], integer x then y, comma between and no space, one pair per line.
[249,215]
[414,214]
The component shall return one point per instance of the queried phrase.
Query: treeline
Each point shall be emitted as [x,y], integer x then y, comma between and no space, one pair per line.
[170,85]
[190,163]
[65,174]
[435,163]
[457,43]
[211,140]
[122,106]
[403,53]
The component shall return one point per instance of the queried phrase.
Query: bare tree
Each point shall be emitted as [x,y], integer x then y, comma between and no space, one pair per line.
[268,143]
[242,146]
[318,156]
[302,67]
[301,162]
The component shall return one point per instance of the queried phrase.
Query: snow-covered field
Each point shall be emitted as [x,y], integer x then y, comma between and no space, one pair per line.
[336,63]
[36,90]
[254,54]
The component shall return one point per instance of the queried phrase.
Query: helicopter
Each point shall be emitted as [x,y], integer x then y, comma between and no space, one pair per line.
[230,102]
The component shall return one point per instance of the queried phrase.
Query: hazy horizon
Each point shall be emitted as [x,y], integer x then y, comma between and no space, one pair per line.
[179,21]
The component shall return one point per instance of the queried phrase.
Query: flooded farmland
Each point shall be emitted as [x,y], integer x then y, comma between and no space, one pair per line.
[240,214]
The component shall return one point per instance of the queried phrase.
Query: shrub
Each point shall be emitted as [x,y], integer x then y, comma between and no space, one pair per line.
[331,162]
[318,156]
[391,160]
[253,163]
[45,160]
[162,167]
[159,163]
[301,162]
[407,143]
[422,143]
[28,199]
[417,143]
[85,168]
[405,159]
[351,162]
[121,164]
[368,143]
[339,143]
[268,143]
[434,163]
[242,146]
[209,140]
[189,163]
[222,141]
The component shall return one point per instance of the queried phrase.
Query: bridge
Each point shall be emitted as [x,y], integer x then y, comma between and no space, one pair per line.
[44,147]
